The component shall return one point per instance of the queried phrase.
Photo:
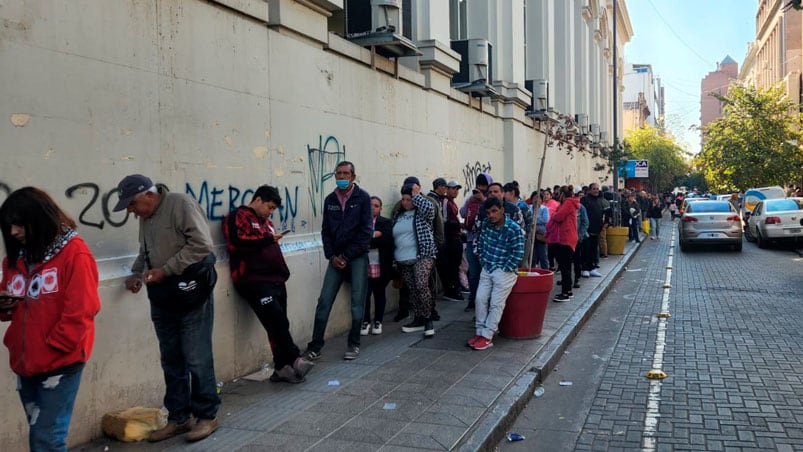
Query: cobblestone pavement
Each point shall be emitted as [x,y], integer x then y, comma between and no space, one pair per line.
[731,351]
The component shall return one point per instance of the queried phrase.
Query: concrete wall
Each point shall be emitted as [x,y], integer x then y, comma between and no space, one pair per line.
[215,100]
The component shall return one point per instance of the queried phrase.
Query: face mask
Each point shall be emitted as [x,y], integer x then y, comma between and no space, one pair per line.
[342,183]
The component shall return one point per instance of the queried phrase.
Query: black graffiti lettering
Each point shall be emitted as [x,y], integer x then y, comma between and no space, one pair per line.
[107,214]
[470,173]
[95,191]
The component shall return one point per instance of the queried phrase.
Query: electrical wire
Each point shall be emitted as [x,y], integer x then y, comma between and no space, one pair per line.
[702,58]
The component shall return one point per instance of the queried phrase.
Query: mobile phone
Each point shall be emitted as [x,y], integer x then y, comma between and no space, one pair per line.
[286,231]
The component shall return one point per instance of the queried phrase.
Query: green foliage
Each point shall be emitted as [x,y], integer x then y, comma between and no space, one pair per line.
[664,155]
[756,141]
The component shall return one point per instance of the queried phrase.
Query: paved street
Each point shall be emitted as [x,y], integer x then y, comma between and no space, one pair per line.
[731,350]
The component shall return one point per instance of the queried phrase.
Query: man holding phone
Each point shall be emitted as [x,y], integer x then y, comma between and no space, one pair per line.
[259,273]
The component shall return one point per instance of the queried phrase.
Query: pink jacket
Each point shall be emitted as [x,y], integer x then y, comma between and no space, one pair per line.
[562,226]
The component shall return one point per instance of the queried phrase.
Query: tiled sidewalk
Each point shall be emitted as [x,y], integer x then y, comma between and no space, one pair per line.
[403,393]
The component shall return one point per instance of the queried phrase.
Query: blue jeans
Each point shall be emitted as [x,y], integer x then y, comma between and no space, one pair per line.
[357,272]
[540,259]
[474,270]
[655,226]
[48,404]
[185,343]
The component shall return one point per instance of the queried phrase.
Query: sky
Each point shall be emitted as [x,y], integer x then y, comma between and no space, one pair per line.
[684,40]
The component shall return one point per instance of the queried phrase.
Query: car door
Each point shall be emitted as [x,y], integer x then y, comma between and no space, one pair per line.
[756,218]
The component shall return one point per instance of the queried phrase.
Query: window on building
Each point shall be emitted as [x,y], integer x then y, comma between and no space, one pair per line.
[457,20]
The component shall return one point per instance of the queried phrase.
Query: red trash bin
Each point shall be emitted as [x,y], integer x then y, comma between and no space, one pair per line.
[523,317]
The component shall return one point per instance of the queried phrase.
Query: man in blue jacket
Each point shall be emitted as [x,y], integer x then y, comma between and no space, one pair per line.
[346,236]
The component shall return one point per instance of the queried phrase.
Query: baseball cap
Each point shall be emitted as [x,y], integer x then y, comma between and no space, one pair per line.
[453,184]
[411,180]
[439,182]
[129,187]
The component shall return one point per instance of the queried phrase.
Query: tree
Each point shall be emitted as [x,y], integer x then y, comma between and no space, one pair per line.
[663,154]
[755,142]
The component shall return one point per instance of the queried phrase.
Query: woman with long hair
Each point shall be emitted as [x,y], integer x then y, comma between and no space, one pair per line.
[49,293]
[562,237]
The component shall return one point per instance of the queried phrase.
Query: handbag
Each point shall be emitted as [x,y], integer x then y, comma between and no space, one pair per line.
[187,291]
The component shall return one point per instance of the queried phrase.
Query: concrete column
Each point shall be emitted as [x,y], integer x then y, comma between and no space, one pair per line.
[430,32]
[540,46]
[563,92]
[582,76]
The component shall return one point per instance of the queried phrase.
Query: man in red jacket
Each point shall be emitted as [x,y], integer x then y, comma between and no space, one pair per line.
[259,273]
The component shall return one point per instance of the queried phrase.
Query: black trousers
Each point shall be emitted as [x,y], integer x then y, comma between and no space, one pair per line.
[564,255]
[269,303]
[448,263]
[589,252]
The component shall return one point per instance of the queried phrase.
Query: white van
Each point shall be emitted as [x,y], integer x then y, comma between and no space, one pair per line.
[754,195]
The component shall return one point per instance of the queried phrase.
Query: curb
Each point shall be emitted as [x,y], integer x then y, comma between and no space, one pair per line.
[501,415]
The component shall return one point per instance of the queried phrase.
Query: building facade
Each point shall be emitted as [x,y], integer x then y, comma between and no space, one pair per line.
[776,55]
[214,98]
[642,99]
[716,83]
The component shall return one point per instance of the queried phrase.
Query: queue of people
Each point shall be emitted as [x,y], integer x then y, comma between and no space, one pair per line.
[427,242]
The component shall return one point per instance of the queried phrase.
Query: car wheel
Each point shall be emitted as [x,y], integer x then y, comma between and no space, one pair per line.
[683,246]
[760,241]
[738,247]
[748,234]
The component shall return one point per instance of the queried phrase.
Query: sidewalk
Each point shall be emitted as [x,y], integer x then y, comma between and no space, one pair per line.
[404,392]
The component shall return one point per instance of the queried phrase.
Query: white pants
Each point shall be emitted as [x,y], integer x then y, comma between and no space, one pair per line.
[491,298]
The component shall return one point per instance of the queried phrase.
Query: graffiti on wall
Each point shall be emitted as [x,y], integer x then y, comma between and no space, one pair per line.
[322,162]
[96,208]
[217,202]
[470,173]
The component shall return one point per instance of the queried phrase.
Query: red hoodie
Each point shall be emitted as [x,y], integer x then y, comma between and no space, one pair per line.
[54,326]
[562,227]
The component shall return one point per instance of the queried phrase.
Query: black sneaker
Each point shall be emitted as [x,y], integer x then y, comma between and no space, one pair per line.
[429,329]
[561,297]
[576,285]
[416,325]
[352,353]
[311,355]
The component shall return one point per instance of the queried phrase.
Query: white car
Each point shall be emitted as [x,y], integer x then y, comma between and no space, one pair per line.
[776,220]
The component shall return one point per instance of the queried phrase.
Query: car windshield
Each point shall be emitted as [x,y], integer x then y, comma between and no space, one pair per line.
[709,207]
[781,205]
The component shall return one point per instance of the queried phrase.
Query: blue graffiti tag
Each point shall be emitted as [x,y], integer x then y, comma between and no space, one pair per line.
[322,162]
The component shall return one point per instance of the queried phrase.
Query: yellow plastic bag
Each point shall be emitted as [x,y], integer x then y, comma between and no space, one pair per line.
[645,226]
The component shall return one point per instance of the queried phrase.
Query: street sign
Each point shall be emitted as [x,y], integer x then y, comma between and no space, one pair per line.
[637,168]
[642,168]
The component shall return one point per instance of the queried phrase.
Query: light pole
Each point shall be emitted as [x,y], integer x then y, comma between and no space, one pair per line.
[615,153]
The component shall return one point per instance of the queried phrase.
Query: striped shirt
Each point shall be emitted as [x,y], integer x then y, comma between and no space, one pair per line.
[500,247]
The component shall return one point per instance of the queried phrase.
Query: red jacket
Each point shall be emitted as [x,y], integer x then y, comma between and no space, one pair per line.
[253,254]
[55,325]
[562,227]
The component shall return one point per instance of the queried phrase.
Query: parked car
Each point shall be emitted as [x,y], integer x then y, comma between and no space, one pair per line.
[710,222]
[775,220]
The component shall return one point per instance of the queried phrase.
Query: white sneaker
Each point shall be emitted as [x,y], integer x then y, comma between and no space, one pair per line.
[595,273]
[585,274]
[377,328]
[366,328]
